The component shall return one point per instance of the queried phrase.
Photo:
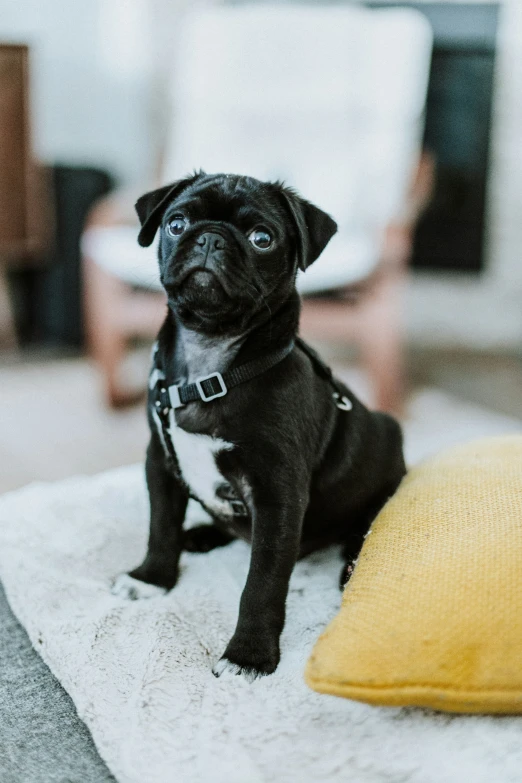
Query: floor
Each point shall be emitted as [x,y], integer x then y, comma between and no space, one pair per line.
[53,423]
[493,380]
[59,549]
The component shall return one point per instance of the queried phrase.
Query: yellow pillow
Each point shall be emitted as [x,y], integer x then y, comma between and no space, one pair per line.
[432,615]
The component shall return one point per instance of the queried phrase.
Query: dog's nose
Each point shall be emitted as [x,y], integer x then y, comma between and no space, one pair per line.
[210,241]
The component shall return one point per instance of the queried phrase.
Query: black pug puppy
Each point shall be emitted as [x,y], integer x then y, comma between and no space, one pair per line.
[244,417]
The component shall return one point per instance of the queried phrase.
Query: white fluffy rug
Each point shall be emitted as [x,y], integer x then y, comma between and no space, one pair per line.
[139,673]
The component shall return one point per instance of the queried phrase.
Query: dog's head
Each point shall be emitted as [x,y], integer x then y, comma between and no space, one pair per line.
[230,246]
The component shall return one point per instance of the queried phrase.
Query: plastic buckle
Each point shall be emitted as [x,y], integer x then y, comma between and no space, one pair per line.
[174,397]
[209,397]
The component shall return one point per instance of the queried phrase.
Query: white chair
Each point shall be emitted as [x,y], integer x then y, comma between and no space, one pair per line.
[329,99]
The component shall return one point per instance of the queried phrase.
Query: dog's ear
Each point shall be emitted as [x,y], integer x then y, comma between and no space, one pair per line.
[314,227]
[151,207]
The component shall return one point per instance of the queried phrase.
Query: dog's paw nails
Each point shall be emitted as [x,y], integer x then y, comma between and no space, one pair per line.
[125,586]
[225,668]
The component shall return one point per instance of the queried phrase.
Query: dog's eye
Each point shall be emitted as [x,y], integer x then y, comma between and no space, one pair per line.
[260,239]
[176,226]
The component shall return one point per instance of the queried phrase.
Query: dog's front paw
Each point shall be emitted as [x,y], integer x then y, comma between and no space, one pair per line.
[125,586]
[225,668]
[249,661]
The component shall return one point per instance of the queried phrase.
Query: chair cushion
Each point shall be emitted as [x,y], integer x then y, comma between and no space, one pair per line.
[432,615]
[346,260]
[115,249]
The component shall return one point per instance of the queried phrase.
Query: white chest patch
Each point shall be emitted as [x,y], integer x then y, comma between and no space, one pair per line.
[196,455]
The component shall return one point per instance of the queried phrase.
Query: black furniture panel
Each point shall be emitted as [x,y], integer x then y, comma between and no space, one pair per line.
[49,299]
[450,235]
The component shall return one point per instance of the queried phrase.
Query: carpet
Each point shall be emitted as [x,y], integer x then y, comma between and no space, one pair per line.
[139,673]
[41,738]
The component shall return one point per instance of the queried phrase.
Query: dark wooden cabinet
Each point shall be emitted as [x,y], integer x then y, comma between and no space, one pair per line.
[25,213]
[14,147]
[26,224]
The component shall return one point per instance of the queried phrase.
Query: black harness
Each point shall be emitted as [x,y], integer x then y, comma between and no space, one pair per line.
[341,400]
[211,387]
[216,385]
[168,398]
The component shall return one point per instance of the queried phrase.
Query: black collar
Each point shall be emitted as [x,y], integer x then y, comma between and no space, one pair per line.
[211,387]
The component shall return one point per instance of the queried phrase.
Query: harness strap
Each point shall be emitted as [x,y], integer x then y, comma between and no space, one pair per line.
[215,385]
[322,369]
[210,387]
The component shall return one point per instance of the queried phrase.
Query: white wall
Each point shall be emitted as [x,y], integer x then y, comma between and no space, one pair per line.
[89,70]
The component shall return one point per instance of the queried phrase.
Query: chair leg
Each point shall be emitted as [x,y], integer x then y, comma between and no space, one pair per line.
[104,303]
[382,344]
[382,358]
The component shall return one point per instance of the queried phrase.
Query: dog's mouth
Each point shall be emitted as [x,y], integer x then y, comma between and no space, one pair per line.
[207,294]
[202,278]
[194,277]
[199,288]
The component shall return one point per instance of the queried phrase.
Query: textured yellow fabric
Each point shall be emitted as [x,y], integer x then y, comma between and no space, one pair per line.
[433,613]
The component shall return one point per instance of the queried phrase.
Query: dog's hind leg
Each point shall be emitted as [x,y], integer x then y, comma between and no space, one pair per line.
[350,552]
[205,538]
[358,531]
[354,540]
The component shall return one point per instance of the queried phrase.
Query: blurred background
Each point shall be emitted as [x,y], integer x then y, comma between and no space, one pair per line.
[403,119]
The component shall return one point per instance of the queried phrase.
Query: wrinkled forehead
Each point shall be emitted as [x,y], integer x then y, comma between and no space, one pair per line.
[229,198]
